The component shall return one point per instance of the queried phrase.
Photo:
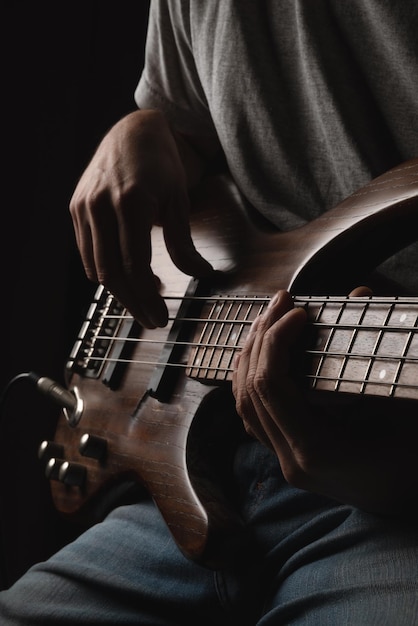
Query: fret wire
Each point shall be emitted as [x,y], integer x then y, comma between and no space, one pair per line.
[317,317]
[202,335]
[329,339]
[241,330]
[220,321]
[402,362]
[377,343]
[221,325]
[231,323]
[211,326]
[230,333]
[350,344]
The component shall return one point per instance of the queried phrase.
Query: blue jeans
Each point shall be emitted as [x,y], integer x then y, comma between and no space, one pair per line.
[306,560]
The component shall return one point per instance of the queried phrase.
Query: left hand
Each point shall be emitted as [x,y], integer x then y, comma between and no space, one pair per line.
[353,451]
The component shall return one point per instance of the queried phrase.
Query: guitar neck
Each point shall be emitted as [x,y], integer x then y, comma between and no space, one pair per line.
[363,346]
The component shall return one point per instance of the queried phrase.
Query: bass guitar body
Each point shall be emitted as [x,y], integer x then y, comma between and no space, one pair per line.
[154,409]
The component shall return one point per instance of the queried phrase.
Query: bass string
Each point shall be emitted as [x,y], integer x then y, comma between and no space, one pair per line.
[305,302]
[237,348]
[342,355]
[229,370]
[320,325]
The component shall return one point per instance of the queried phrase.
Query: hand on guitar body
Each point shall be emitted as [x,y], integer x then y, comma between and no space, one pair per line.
[137,178]
[355,452]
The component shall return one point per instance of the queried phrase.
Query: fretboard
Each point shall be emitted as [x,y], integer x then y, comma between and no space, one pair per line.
[354,345]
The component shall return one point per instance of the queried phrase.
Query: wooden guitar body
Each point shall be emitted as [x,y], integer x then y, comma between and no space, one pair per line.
[154,404]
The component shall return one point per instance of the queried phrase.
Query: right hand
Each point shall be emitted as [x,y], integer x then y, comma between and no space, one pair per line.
[136,179]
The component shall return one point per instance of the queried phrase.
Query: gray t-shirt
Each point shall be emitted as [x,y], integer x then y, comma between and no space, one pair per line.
[308,99]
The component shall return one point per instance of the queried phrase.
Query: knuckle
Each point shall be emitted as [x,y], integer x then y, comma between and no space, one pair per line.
[88,205]
[242,403]
[251,384]
[264,381]
[242,407]
[260,383]
[124,198]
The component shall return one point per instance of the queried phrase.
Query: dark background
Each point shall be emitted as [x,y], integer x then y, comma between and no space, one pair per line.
[69,73]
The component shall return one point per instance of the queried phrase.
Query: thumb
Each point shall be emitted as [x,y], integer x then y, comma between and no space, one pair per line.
[179,242]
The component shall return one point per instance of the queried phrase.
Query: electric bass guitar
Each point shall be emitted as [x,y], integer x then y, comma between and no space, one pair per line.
[151,407]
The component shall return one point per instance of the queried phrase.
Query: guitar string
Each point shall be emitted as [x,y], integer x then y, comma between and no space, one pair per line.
[229,370]
[328,353]
[298,300]
[307,300]
[324,325]
[226,322]
[226,370]
[237,348]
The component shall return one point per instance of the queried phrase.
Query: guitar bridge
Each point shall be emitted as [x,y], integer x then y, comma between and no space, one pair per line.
[106,319]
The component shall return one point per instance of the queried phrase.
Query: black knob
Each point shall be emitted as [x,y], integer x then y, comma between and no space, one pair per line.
[52,468]
[93,446]
[72,474]
[49,449]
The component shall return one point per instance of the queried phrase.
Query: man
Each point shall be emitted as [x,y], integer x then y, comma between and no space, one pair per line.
[298,97]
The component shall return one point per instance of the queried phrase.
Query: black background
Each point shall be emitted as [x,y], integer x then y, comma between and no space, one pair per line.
[69,73]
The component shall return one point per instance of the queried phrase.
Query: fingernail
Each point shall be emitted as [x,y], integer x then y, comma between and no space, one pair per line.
[159,316]
[160,321]
[273,301]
